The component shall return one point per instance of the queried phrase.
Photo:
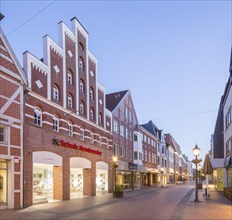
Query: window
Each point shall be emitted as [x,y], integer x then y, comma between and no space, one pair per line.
[228,118]
[37,117]
[130,115]
[149,156]
[127,113]
[91,94]
[81,46]
[55,92]
[91,114]
[82,135]
[148,140]
[55,123]
[91,137]
[127,133]
[81,63]
[158,160]
[70,101]
[115,126]
[70,78]
[100,140]
[70,129]
[127,153]
[135,137]
[82,89]
[3,134]
[136,155]
[100,119]
[130,135]
[82,108]
[115,150]
[121,151]
[145,138]
[122,130]
[140,156]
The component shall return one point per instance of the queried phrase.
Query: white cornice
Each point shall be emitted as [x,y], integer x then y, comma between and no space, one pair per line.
[92,57]
[54,46]
[100,87]
[67,32]
[77,25]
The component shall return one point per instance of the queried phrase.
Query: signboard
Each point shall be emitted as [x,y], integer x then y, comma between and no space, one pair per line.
[132,166]
[62,143]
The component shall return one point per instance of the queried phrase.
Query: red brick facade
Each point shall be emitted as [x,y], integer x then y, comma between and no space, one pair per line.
[12,84]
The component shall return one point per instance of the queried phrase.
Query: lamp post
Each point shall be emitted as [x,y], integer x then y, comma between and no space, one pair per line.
[196,152]
[115,165]
[162,174]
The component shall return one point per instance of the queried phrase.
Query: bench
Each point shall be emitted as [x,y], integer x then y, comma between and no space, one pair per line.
[228,192]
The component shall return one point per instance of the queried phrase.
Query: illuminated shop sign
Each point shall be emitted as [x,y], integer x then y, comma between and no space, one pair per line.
[63,143]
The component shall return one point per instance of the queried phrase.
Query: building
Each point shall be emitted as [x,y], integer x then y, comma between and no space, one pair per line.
[150,143]
[125,122]
[12,86]
[171,154]
[68,139]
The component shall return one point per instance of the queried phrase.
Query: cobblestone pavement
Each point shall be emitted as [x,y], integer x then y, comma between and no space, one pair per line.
[169,203]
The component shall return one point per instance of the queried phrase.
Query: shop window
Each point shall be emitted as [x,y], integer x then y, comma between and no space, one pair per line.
[38,116]
[55,123]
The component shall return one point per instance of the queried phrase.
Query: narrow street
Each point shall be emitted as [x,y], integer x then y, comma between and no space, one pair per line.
[170,202]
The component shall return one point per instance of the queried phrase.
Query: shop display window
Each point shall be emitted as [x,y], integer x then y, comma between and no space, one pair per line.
[3,183]
[101,180]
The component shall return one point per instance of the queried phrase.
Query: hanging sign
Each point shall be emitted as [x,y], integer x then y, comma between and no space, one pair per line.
[63,143]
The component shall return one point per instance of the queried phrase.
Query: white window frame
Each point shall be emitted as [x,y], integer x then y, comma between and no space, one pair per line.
[70,129]
[91,137]
[81,64]
[82,133]
[55,123]
[82,89]
[70,81]
[55,93]
[116,126]
[82,108]
[37,116]
[3,134]
[122,130]
[91,114]
[70,101]
[91,96]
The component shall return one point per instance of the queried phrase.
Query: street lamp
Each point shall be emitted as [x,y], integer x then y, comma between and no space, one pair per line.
[196,152]
[115,165]
[162,172]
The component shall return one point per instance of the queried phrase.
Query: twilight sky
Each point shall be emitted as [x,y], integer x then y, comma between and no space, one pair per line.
[172,55]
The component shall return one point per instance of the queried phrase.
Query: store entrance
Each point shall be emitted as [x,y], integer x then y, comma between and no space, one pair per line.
[3,183]
[101,177]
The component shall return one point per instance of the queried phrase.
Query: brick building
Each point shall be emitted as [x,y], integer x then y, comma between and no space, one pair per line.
[12,85]
[68,138]
[125,122]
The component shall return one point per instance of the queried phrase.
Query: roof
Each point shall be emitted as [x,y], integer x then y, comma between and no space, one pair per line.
[150,126]
[113,99]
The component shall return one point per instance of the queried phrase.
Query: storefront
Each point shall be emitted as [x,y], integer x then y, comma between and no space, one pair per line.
[3,183]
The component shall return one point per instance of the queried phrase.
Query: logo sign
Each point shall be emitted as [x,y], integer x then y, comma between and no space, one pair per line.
[63,143]
[132,166]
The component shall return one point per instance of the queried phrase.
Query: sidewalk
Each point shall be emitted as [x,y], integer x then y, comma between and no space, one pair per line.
[215,207]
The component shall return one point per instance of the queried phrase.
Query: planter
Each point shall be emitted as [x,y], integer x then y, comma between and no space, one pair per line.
[118,194]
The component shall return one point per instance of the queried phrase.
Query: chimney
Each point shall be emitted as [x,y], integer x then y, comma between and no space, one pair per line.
[1,16]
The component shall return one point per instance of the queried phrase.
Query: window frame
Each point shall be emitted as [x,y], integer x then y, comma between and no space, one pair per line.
[56,92]
[55,123]
[37,121]
[69,78]
[70,101]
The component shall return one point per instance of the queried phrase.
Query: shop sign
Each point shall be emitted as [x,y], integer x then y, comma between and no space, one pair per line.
[63,143]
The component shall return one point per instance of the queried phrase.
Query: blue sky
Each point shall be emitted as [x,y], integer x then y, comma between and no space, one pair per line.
[172,55]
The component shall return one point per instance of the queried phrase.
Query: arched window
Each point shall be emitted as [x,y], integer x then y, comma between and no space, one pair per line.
[55,123]
[55,92]
[82,108]
[91,95]
[82,88]
[70,77]
[38,116]
[91,137]
[81,46]
[70,101]
[91,114]
[100,119]
[81,63]
[70,129]
[82,135]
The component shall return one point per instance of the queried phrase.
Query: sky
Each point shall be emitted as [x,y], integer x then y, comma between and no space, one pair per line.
[172,55]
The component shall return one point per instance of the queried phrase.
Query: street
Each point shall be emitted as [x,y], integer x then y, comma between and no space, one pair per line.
[170,202]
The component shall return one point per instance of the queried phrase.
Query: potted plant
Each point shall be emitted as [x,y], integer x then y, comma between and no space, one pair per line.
[118,191]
